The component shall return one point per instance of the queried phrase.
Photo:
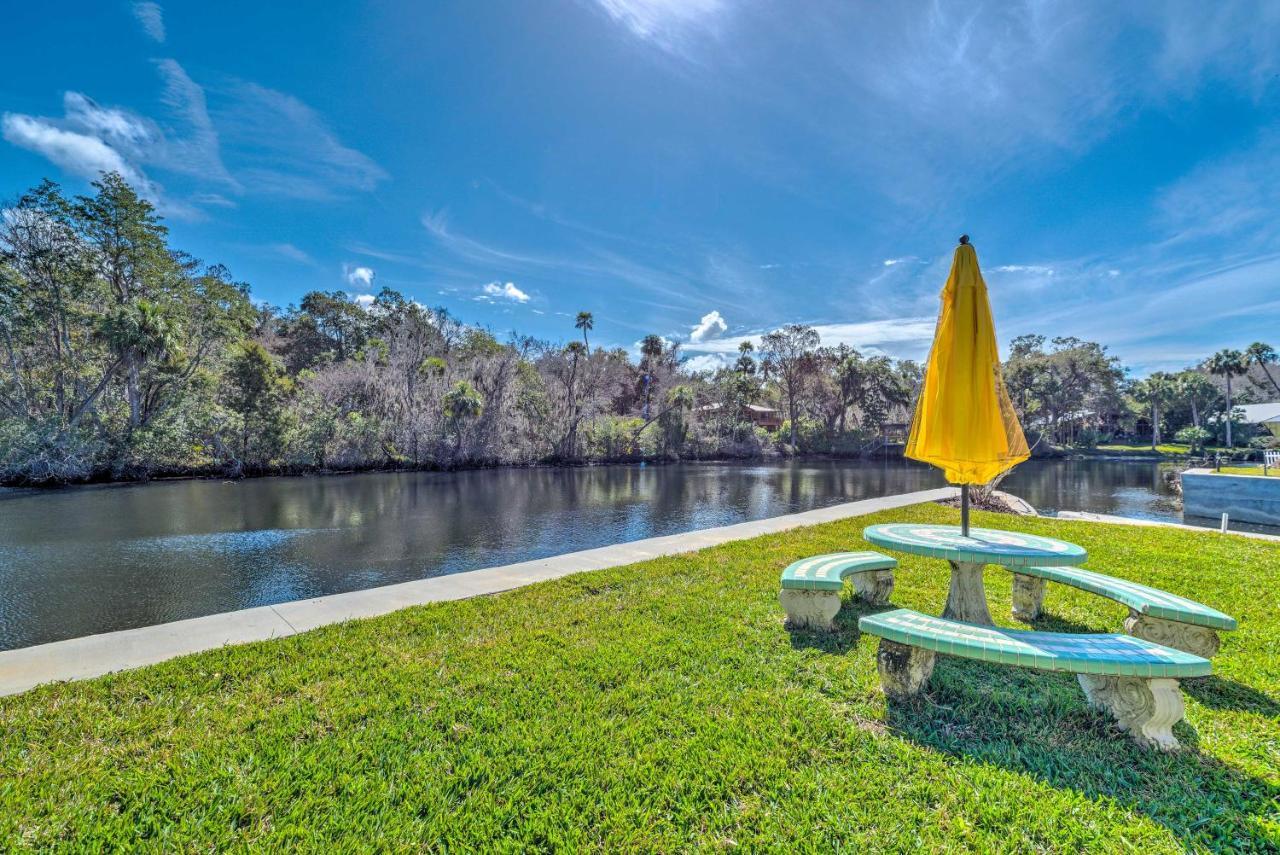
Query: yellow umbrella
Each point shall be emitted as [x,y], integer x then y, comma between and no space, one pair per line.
[964,421]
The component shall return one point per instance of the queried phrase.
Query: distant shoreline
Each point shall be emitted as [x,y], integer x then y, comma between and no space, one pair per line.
[1135,456]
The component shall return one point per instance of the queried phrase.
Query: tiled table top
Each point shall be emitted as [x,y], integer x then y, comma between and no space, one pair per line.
[982,546]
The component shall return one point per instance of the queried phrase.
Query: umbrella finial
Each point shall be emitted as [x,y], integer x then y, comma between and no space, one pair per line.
[964,239]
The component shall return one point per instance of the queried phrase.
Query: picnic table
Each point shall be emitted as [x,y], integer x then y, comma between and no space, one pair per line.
[967,598]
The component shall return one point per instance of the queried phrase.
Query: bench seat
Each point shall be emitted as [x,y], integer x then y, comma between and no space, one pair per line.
[811,586]
[1154,615]
[1134,679]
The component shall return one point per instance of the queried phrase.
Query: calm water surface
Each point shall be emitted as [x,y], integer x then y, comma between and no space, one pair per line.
[89,560]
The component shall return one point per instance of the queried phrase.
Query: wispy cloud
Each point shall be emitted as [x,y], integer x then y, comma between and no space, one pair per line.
[666,23]
[293,253]
[283,147]
[907,337]
[588,261]
[195,150]
[277,144]
[1227,196]
[1033,269]
[151,17]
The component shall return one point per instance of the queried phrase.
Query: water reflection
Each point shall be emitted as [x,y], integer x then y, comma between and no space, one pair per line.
[93,560]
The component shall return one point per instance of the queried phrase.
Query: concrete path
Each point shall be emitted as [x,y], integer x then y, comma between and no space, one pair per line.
[1107,518]
[94,655]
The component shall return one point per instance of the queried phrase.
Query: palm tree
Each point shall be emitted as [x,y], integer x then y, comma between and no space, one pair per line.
[576,350]
[679,401]
[1154,392]
[651,348]
[1227,364]
[1194,388]
[137,333]
[1260,354]
[585,322]
[462,404]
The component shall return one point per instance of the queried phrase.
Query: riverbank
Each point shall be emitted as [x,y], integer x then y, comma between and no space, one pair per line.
[1169,453]
[661,706]
[227,474]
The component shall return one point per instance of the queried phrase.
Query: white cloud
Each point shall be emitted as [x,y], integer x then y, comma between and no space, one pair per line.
[365,300]
[709,327]
[151,17]
[890,262]
[360,277]
[91,138]
[706,362]
[81,154]
[502,291]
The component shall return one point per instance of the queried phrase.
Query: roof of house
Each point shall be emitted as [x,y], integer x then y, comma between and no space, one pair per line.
[1259,413]
[756,408]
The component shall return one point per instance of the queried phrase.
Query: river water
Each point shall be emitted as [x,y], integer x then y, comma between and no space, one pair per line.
[88,560]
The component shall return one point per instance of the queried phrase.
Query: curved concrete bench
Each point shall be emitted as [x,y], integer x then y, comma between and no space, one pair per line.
[1154,615]
[1134,680]
[811,586]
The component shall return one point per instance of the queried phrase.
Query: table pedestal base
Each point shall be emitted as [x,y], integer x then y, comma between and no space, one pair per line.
[967,600]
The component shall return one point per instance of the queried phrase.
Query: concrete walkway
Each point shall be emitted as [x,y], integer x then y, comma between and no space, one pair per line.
[1107,518]
[94,655]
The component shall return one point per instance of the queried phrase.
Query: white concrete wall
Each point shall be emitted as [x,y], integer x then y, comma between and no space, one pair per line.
[1244,498]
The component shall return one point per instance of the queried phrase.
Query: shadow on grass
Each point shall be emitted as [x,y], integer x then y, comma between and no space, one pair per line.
[1215,692]
[1038,724]
[1048,622]
[846,633]
[1223,694]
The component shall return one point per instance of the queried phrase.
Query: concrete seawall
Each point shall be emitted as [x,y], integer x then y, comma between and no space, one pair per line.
[1244,498]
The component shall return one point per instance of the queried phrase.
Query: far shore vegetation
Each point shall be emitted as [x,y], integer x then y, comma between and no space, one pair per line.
[124,358]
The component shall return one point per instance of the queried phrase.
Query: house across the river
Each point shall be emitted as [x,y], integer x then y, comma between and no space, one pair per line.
[1266,415]
[765,417]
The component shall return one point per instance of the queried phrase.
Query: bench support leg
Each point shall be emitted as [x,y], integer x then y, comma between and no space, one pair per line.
[810,609]
[1028,597]
[903,669]
[1145,709]
[875,586]
[1199,640]
[967,600]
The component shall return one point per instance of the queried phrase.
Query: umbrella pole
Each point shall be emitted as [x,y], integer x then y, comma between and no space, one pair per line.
[964,510]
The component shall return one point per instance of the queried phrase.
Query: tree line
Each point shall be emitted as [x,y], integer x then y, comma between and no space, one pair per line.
[1075,394]
[122,357]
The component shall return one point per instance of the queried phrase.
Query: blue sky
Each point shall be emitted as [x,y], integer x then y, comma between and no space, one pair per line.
[702,169]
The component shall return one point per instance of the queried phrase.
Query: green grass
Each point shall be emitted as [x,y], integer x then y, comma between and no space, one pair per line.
[1166,449]
[1272,472]
[662,706]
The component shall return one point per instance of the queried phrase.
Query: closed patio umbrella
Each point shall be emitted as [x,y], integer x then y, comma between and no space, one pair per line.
[964,421]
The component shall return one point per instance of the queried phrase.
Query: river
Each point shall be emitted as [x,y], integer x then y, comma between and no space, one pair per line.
[94,559]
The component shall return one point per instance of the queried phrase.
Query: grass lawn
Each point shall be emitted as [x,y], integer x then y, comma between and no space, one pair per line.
[1272,472]
[1166,449]
[662,706]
